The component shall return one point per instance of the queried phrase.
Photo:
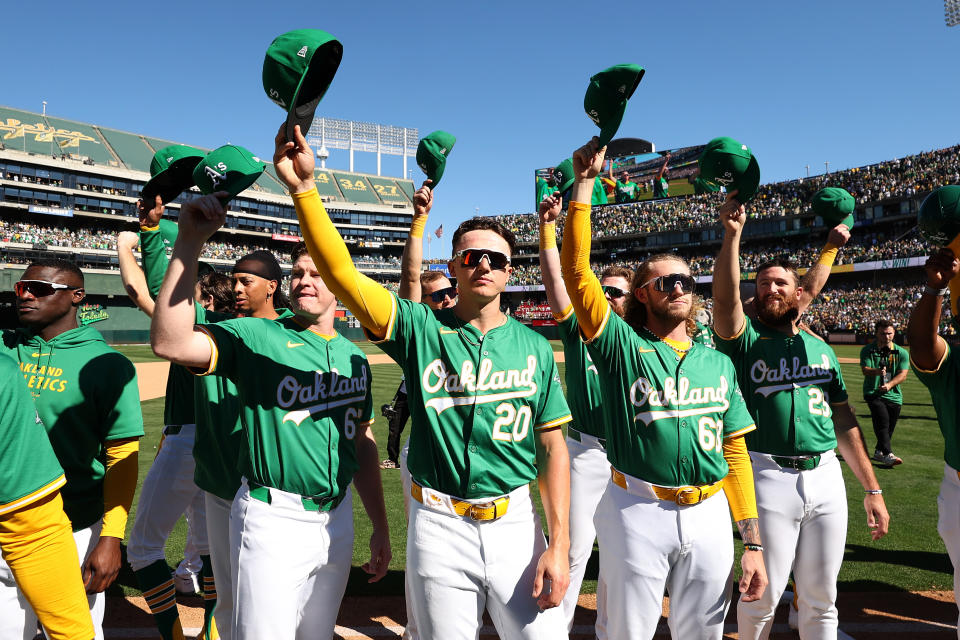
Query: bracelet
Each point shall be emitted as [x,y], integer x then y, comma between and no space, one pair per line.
[750,546]
[873,492]
[935,292]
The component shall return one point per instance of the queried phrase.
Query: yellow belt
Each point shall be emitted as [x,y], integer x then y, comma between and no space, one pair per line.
[477,511]
[692,494]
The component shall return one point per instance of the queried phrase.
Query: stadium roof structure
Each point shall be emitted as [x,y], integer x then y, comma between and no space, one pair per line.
[39,134]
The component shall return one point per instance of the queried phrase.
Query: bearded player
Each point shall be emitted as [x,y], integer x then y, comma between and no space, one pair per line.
[486,407]
[587,433]
[306,408]
[675,423]
[794,388]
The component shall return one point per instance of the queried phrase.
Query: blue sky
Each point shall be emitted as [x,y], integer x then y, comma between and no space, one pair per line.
[849,82]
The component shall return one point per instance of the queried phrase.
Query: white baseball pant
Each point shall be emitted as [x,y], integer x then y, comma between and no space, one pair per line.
[291,566]
[409,631]
[948,524]
[168,492]
[589,475]
[457,567]
[648,545]
[221,560]
[17,619]
[803,525]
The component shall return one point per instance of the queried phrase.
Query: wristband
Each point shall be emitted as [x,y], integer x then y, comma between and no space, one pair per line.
[548,236]
[828,255]
[145,228]
[873,492]
[935,292]
[417,226]
[749,546]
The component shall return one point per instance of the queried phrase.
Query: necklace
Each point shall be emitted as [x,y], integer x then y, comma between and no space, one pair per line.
[677,349]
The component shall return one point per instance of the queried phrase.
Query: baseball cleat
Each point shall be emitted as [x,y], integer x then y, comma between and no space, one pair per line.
[387,463]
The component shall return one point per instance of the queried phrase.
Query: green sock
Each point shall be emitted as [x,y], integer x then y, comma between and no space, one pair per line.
[156,583]
[209,588]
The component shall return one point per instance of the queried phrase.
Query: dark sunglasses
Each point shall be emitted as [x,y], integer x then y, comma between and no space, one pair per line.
[472,258]
[615,293]
[442,294]
[669,282]
[39,288]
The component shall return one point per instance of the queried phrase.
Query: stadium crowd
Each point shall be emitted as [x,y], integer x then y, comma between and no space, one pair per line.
[903,177]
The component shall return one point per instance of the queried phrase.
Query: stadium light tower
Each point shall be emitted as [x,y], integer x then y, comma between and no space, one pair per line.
[951,12]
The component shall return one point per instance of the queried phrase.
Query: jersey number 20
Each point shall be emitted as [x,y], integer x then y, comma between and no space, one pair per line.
[511,424]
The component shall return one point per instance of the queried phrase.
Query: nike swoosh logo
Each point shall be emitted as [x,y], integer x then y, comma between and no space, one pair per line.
[291,345]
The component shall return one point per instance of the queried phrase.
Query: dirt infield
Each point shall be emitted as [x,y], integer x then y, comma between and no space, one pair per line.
[929,615]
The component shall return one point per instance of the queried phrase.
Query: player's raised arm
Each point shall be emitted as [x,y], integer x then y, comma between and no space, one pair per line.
[816,277]
[412,260]
[134,282]
[367,300]
[550,257]
[927,348]
[727,308]
[582,285]
[171,332]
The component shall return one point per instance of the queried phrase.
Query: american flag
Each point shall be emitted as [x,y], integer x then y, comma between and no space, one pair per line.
[439,232]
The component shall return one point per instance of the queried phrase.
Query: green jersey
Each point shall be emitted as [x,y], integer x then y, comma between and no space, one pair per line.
[661,188]
[895,359]
[543,190]
[788,383]
[943,383]
[475,399]
[599,195]
[626,191]
[86,394]
[304,399]
[583,381]
[667,416]
[29,468]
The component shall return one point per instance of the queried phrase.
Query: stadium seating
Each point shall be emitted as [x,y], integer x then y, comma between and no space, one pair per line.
[388,191]
[355,188]
[132,150]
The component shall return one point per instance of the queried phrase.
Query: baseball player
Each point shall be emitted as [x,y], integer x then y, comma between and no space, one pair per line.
[306,409]
[218,438]
[794,388]
[675,423]
[586,435]
[937,366]
[884,364]
[486,407]
[35,535]
[661,185]
[86,394]
[624,189]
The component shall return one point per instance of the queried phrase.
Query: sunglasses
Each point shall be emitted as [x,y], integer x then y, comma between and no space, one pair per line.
[615,293]
[442,294]
[472,258]
[39,288]
[669,282]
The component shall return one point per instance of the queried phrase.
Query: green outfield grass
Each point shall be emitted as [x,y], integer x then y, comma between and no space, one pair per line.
[912,557]
[138,353]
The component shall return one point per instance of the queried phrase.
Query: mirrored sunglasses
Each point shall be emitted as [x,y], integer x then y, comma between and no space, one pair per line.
[472,258]
[39,288]
[669,282]
[442,294]
[615,293]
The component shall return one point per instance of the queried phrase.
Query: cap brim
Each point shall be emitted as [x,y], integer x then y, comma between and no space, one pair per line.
[748,183]
[313,85]
[436,174]
[609,130]
[237,185]
[172,181]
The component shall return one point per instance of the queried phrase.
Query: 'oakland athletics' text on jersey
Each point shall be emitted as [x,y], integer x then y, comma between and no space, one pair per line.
[583,381]
[304,399]
[475,399]
[944,384]
[788,383]
[667,417]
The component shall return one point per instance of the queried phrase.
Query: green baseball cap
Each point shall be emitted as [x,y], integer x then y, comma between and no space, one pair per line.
[230,168]
[298,69]
[563,175]
[170,172]
[727,163]
[834,205]
[432,154]
[606,98]
[939,216]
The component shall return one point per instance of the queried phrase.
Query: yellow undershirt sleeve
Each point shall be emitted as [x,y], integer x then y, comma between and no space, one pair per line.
[119,485]
[829,255]
[582,284]
[367,300]
[738,485]
[38,545]
[548,236]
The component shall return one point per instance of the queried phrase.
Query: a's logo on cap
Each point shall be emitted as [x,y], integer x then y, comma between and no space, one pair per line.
[303,51]
[725,179]
[594,116]
[215,176]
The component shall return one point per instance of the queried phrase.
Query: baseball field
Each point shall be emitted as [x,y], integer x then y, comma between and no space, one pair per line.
[898,573]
